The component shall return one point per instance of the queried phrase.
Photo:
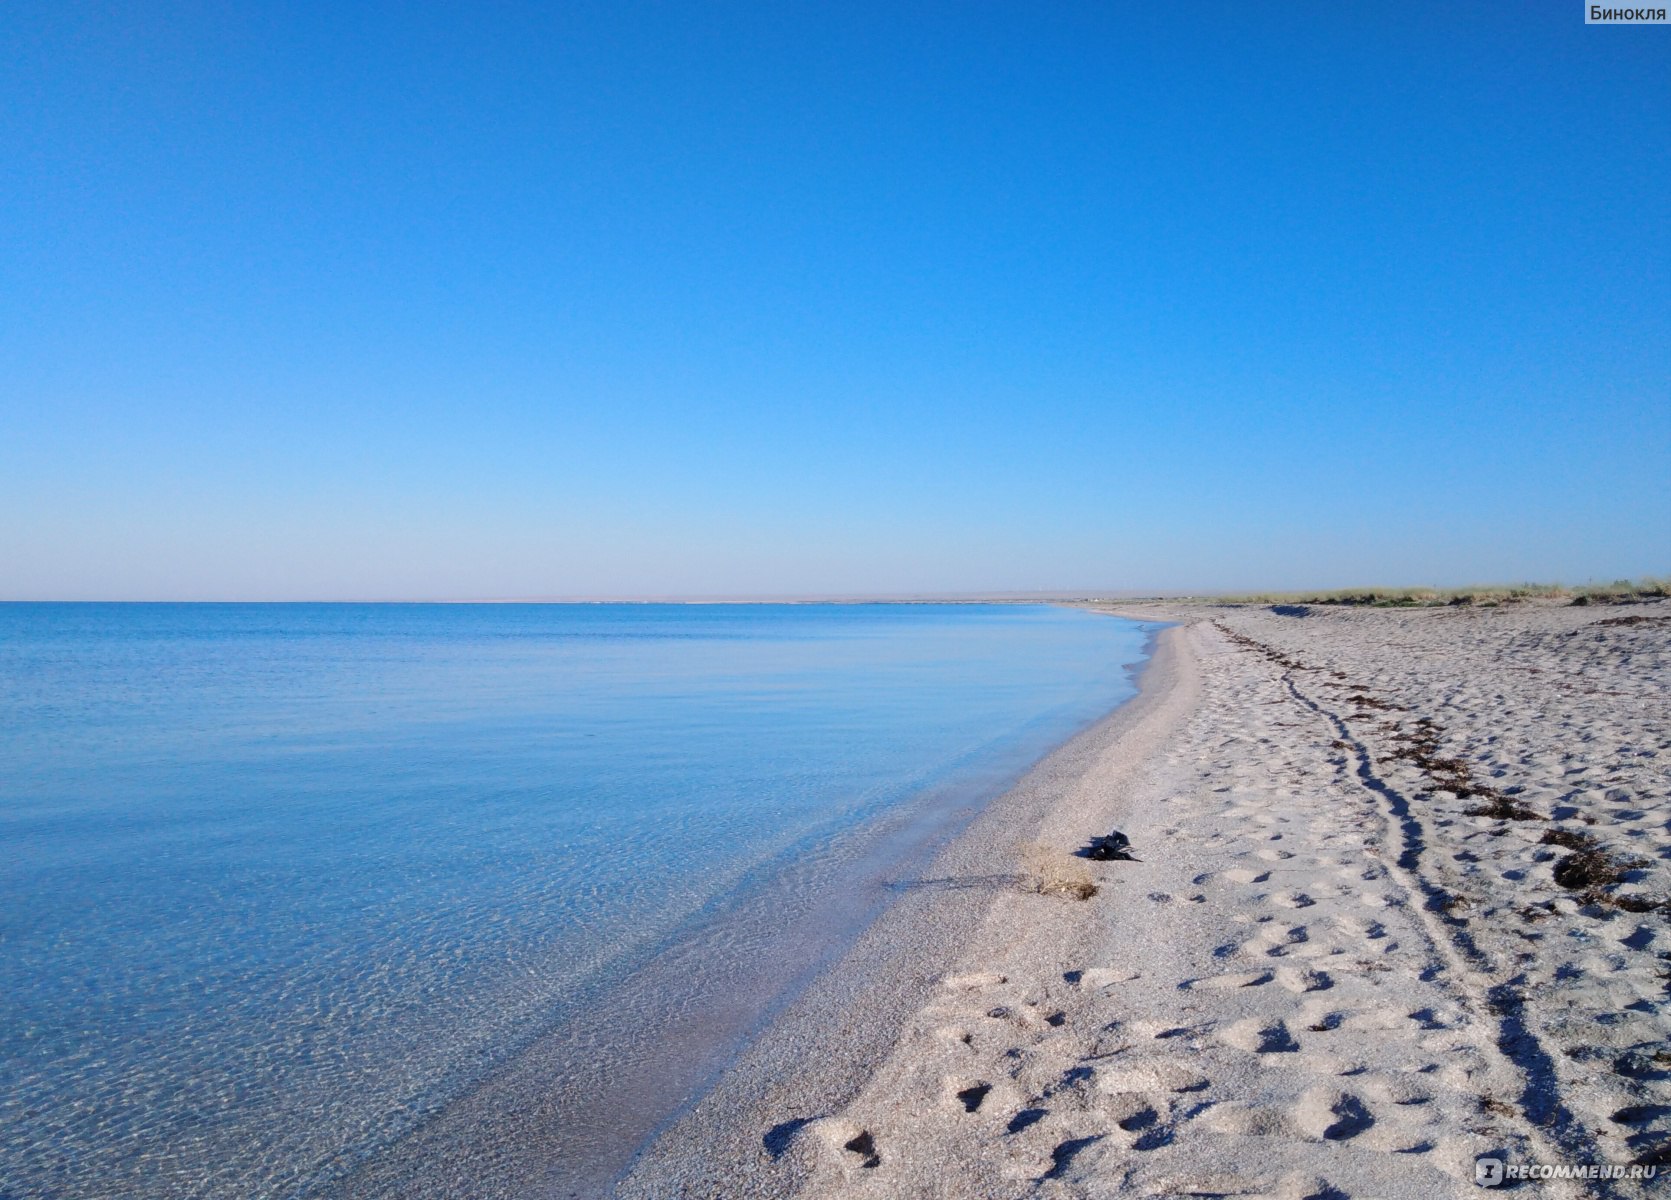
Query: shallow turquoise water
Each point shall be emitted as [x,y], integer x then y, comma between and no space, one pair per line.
[278,881]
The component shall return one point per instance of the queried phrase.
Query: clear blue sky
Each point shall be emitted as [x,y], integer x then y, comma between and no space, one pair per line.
[488,300]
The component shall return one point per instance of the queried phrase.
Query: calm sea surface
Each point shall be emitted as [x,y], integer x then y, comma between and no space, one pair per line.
[279,883]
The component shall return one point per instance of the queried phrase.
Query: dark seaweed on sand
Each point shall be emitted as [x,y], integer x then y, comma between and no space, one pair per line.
[1109,847]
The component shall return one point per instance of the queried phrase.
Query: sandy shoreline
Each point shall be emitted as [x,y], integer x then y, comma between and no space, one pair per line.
[1396,909]
[824,1046]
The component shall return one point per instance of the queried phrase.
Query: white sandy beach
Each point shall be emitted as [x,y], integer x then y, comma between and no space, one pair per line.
[1343,965]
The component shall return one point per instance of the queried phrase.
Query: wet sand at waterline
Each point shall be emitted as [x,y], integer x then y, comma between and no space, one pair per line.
[1397,904]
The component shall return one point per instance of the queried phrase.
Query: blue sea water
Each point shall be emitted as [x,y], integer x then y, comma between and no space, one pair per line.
[279,882]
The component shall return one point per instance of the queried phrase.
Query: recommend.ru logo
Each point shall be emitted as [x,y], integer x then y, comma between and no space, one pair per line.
[1491,1172]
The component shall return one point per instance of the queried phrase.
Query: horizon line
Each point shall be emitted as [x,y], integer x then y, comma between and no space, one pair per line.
[1012,596]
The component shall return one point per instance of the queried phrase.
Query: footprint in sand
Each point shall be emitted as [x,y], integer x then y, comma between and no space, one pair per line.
[1226,982]
[968,1094]
[1025,1119]
[1397,1089]
[1243,1119]
[1096,978]
[1300,980]
[1331,1115]
[1146,1076]
[1362,930]
[1260,1035]
[1131,1112]
[1278,939]
[852,1145]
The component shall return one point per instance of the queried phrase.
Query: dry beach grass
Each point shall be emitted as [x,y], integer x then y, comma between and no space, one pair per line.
[1401,902]
[1051,871]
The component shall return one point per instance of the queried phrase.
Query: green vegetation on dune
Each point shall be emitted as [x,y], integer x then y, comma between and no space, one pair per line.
[1620,591]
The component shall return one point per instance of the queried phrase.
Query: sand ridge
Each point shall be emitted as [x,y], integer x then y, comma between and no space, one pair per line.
[1344,964]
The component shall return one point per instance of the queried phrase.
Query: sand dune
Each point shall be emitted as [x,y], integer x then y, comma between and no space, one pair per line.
[1398,905]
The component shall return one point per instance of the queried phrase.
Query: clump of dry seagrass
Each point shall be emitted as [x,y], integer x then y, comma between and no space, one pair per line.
[1052,872]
